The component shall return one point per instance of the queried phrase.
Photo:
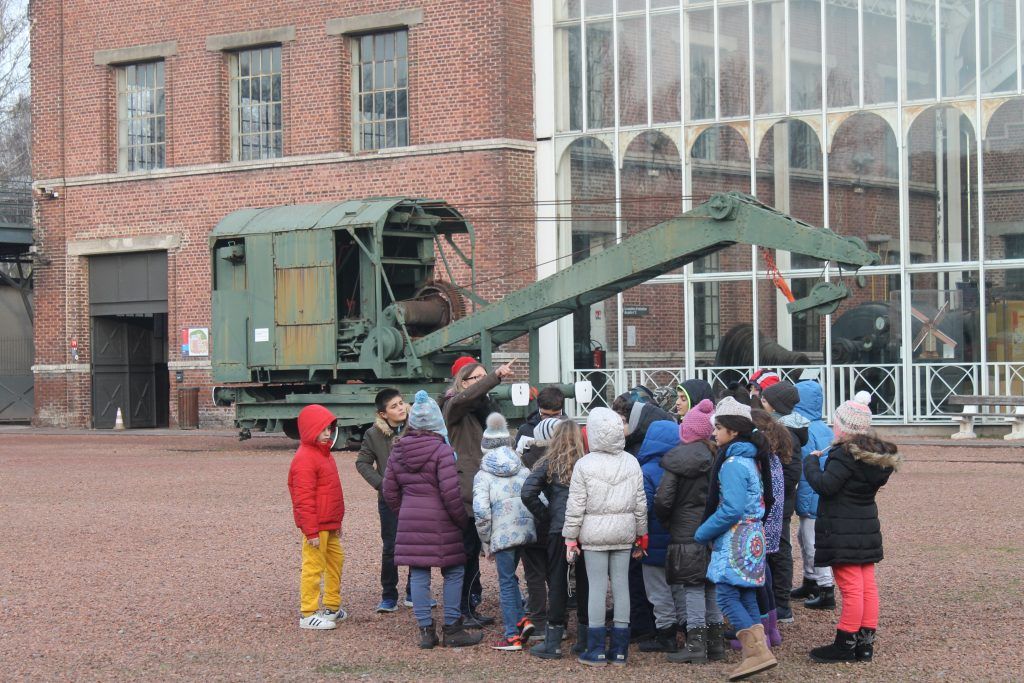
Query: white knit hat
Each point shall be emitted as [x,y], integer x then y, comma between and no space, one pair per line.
[496,435]
[854,417]
[730,406]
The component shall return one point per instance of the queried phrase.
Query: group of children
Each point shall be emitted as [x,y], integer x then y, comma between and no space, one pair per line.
[683,514]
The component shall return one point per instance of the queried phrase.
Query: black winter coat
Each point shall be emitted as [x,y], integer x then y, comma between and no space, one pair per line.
[791,472]
[552,515]
[847,530]
[679,505]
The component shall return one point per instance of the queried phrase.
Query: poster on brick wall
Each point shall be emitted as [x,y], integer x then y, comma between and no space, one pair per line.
[198,341]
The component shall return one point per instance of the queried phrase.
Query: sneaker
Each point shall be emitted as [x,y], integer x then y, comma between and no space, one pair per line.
[317,622]
[387,606]
[525,627]
[785,615]
[337,616]
[511,644]
[408,603]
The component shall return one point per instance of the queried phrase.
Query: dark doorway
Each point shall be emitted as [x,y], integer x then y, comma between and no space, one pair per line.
[128,308]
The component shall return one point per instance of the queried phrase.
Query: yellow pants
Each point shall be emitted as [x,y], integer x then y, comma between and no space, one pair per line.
[323,563]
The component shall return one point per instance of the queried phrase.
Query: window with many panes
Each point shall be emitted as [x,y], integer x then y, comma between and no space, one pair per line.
[141,119]
[381,83]
[256,120]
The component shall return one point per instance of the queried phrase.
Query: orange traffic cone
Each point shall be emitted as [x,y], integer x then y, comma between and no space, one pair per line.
[118,421]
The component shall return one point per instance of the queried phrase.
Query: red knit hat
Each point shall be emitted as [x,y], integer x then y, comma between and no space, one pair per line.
[763,378]
[460,363]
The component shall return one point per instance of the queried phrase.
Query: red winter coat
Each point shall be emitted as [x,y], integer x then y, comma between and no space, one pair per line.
[313,481]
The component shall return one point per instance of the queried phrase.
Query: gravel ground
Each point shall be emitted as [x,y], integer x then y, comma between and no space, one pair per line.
[174,556]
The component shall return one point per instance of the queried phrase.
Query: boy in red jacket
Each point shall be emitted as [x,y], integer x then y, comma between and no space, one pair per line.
[318,505]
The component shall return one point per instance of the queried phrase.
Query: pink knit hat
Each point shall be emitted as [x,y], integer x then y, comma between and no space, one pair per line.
[854,417]
[698,422]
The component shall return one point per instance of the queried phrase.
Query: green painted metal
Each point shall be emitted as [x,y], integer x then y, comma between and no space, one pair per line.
[726,219]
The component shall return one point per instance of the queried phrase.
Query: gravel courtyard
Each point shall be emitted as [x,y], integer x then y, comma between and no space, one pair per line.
[173,556]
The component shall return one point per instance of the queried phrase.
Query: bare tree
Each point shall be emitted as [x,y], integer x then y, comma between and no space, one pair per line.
[15,112]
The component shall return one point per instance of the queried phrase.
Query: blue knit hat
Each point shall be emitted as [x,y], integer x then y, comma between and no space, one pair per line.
[425,414]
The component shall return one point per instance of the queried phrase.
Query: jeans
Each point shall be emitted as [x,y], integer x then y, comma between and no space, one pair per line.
[781,562]
[601,563]
[558,584]
[669,602]
[419,580]
[506,561]
[471,582]
[738,604]
[820,575]
[388,569]
[702,606]
[535,568]
[860,596]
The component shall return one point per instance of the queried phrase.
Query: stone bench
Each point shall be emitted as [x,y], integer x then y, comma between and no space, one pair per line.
[972,410]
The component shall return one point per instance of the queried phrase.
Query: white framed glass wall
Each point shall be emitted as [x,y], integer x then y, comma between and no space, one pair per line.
[901,123]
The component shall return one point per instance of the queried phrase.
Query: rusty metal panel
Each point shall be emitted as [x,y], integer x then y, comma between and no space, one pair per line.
[304,296]
[305,248]
[305,345]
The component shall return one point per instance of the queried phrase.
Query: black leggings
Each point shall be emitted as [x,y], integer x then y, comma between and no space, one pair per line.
[558,585]
[765,594]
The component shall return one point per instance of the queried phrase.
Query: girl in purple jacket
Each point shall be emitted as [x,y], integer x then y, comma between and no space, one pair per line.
[422,486]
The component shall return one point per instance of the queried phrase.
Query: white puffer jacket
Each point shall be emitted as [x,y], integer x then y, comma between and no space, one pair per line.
[607,507]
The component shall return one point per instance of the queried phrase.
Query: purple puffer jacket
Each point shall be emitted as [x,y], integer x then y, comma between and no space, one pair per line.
[421,484]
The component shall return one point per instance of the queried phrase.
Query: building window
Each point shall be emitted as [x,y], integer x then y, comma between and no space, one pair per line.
[706,306]
[141,119]
[381,79]
[256,121]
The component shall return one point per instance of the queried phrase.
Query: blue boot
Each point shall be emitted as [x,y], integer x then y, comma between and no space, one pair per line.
[594,656]
[619,646]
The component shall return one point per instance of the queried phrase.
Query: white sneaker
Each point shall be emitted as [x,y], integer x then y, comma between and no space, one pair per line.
[317,622]
[337,616]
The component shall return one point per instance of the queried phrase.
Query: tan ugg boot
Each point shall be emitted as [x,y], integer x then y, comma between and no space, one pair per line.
[756,655]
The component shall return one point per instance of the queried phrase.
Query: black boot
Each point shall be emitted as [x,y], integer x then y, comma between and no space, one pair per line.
[428,637]
[865,648]
[825,599]
[581,639]
[473,619]
[695,651]
[456,635]
[715,642]
[808,589]
[842,650]
[551,648]
[664,640]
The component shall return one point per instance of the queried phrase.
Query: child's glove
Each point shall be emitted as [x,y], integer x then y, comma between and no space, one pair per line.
[525,442]
[572,552]
[640,547]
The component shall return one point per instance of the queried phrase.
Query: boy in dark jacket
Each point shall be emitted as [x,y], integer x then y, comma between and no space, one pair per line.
[421,485]
[371,463]
[318,505]
[848,534]
[779,399]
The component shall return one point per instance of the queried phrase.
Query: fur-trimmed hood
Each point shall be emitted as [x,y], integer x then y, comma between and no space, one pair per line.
[883,460]
[384,426]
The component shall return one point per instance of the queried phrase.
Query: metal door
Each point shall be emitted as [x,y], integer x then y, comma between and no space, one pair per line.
[122,372]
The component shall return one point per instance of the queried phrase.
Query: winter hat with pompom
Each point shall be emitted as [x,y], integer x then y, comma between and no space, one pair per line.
[854,417]
[496,435]
[426,415]
[698,423]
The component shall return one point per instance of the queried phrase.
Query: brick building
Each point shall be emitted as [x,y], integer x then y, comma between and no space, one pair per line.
[151,123]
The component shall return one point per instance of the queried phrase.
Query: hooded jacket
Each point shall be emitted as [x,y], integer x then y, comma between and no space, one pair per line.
[606,508]
[465,414]
[546,500]
[662,436]
[697,390]
[641,416]
[421,485]
[847,530]
[819,438]
[372,461]
[318,502]
[797,426]
[502,519]
[679,505]
[735,530]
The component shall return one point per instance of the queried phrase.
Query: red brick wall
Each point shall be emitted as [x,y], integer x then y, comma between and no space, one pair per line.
[470,79]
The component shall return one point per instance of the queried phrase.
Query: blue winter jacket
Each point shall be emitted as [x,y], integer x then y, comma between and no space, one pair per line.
[735,530]
[662,436]
[819,438]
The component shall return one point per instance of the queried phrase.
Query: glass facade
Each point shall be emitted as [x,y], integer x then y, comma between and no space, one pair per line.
[899,123]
